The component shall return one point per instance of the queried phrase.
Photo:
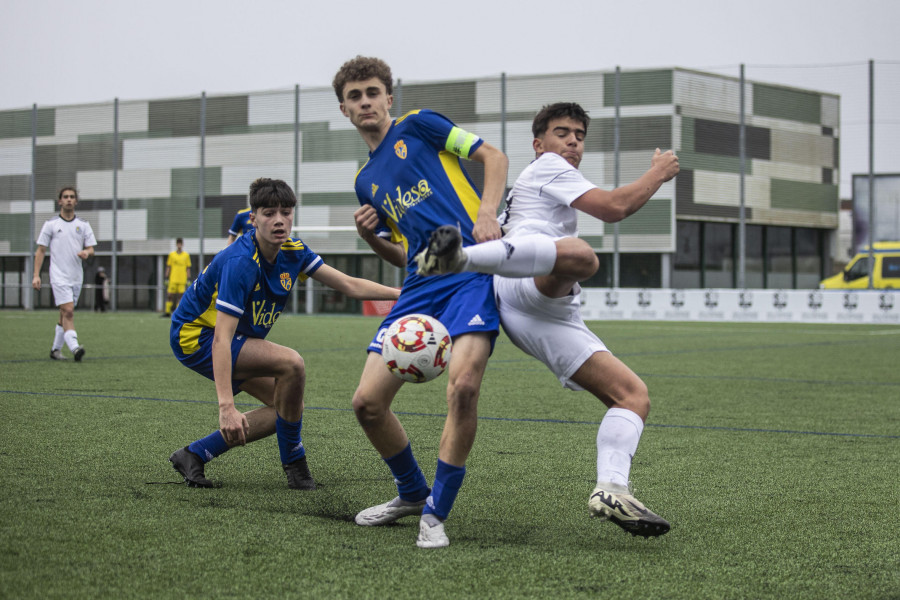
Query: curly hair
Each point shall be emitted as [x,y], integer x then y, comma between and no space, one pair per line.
[360,69]
[558,110]
[268,193]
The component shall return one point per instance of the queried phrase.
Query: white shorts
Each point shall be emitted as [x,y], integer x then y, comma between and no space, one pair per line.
[549,329]
[66,292]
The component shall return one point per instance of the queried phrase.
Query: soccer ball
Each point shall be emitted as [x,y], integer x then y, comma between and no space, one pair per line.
[416,348]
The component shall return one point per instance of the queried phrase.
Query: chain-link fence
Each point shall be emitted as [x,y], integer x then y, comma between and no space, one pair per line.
[765,165]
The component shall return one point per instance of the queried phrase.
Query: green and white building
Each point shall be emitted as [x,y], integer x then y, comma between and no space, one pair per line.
[152,170]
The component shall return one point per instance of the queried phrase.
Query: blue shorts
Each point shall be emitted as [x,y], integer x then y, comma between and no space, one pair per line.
[463,302]
[200,347]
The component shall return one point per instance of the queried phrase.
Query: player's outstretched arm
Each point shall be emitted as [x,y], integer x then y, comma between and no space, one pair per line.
[355,287]
[624,201]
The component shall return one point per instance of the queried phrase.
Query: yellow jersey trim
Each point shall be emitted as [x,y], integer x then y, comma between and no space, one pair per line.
[464,190]
[189,336]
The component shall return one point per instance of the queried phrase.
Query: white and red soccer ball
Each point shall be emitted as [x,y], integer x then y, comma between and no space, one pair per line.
[416,348]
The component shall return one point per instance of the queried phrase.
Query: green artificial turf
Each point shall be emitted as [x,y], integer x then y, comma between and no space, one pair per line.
[773,449]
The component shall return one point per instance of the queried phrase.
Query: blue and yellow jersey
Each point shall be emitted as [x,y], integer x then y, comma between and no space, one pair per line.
[241,223]
[416,182]
[240,282]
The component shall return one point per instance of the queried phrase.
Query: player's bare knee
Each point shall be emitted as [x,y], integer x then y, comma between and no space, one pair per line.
[575,258]
[586,263]
[637,399]
[462,395]
[293,367]
[366,409]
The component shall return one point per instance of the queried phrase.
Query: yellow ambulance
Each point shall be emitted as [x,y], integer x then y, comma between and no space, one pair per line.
[856,273]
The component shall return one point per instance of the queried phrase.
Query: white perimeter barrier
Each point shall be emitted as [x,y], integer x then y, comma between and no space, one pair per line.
[764,306]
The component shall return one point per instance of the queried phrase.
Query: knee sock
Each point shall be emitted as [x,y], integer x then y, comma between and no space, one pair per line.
[521,256]
[58,337]
[209,447]
[447,481]
[71,339]
[617,441]
[290,446]
[411,484]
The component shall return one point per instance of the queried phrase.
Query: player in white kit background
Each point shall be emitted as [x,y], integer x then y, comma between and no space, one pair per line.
[537,266]
[70,241]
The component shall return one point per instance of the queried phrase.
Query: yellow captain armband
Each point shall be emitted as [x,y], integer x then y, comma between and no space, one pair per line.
[460,142]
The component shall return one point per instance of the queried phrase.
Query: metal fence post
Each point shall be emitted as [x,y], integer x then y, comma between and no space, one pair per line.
[616,137]
[29,261]
[202,177]
[871,258]
[114,300]
[742,213]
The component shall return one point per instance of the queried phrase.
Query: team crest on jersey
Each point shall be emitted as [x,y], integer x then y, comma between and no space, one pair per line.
[77,229]
[400,149]
[374,189]
[286,282]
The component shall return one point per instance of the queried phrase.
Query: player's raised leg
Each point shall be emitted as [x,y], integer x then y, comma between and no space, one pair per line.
[527,255]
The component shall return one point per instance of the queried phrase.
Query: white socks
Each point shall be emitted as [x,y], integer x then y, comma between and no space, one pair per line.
[58,338]
[71,339]
[521,256]
[617,441]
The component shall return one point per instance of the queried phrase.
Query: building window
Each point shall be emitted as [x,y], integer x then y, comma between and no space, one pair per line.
[754,267]
[686,266]
[810,267]
[718,255]
[779,262]
[640,270]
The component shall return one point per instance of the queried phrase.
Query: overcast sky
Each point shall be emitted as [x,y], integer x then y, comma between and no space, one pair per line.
[56,52]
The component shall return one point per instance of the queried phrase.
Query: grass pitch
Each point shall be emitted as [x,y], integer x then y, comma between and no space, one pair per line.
[773,449]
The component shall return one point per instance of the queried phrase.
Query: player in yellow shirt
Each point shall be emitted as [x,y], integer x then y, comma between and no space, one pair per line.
[178,272]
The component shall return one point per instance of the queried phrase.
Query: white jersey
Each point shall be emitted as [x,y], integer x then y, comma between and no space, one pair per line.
[541,198]
[65,239]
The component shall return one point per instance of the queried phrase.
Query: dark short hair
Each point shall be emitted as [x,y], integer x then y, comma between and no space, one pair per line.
[268,193]
[360,69]
[67,188]
[179,241]
[558,110]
